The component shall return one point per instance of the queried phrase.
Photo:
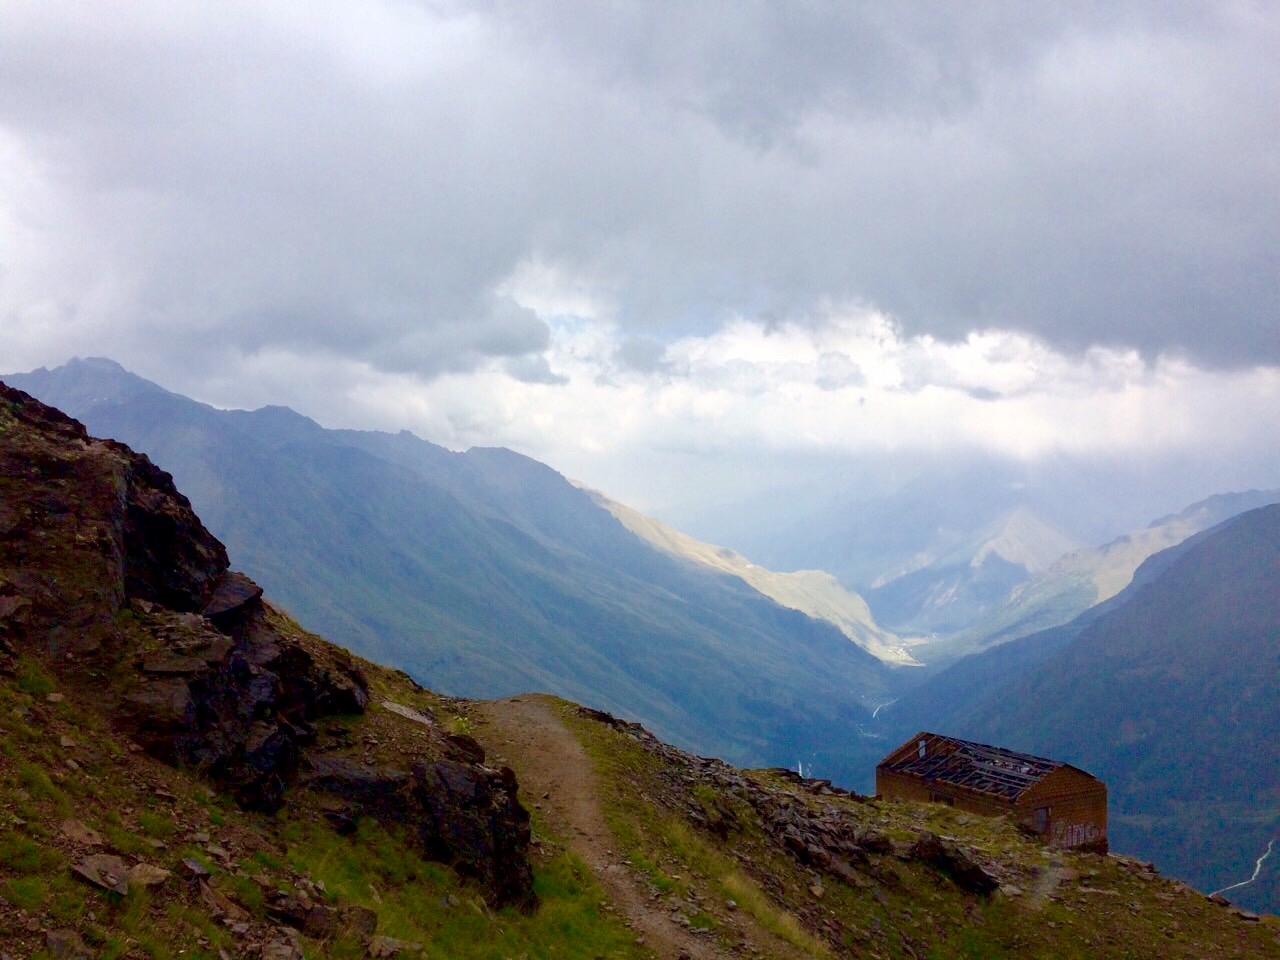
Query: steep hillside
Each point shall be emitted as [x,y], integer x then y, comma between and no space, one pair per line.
[941,594]
[813,592]
[185,772]
[1173,697]
[1086,577]
[487,573]
[947,699]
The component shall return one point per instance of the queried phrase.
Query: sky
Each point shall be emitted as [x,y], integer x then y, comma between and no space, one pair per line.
[684,252]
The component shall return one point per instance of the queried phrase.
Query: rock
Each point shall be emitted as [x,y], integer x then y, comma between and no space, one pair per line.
[66,943]
[193,869]
[169,664]
[409,713]
[148,875]
[104,871]
[380,947]
[78,833]
[465,748]
[949,858]
[342,690]
[357,920]
[1009,890]
[221,905]
[233,593]
[320,923]
[289,909]
[281,950]
[474,819]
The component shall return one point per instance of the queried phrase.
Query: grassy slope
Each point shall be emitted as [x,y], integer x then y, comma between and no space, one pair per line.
[1100,907]
[58,761]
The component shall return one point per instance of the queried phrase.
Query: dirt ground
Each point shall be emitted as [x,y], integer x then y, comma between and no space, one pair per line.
[556,774]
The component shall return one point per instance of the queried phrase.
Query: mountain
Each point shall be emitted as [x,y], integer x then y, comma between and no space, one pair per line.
[1171,695]
[486,573]
[1089,576]
[186,772]
[813,592]
[941,592]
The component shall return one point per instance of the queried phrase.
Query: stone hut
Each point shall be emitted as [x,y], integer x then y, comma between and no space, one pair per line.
[1062,803]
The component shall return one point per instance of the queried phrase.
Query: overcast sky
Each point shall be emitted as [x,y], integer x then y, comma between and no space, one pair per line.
[635,239]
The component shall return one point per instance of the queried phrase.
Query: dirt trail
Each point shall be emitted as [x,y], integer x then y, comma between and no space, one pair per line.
[555,772]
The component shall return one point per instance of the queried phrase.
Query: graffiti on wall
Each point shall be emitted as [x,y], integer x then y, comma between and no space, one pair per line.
[1075,834]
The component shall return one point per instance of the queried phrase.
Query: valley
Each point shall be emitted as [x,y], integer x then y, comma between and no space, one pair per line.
[486,575]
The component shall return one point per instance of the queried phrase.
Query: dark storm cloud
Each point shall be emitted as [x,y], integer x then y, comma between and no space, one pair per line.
[360,180]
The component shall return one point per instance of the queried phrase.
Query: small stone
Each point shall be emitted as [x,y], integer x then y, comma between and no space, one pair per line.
[220,906]
[78,833]
[193,868]
[389,947]
[148,875]
[55,697]
[66,742]
[103,871]
[1009,890]
[731,904]
[66,943]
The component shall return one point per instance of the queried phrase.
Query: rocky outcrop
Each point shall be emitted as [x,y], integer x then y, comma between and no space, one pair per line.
[821,837]
[105,570]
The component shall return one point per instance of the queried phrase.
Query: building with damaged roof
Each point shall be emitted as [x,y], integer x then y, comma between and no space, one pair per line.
[1064,804]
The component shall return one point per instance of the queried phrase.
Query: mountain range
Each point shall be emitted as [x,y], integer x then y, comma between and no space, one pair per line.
[186,772]
[1082,578]
[486,573]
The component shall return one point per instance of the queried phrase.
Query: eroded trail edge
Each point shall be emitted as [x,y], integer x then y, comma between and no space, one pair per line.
[556,774]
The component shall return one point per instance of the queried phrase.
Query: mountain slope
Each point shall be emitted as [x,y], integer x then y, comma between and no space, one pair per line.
[486,573]
[1089,576]
[185,772]
[1173,697]
[813,592]
[948,592]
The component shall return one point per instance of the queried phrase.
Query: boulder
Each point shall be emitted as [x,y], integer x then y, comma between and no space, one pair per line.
[474,819]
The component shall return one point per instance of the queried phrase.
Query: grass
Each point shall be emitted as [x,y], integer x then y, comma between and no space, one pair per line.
[652,836]
[425,902]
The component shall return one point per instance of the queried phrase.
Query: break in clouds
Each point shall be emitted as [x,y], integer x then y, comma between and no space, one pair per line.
[584,229]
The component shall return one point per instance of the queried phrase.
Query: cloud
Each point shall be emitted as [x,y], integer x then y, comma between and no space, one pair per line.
[345,177]
[662,244]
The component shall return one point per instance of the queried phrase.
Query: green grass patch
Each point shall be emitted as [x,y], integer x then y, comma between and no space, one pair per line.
[425,902]
[157,825]
[33,679]
[40,786]
[21,854]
